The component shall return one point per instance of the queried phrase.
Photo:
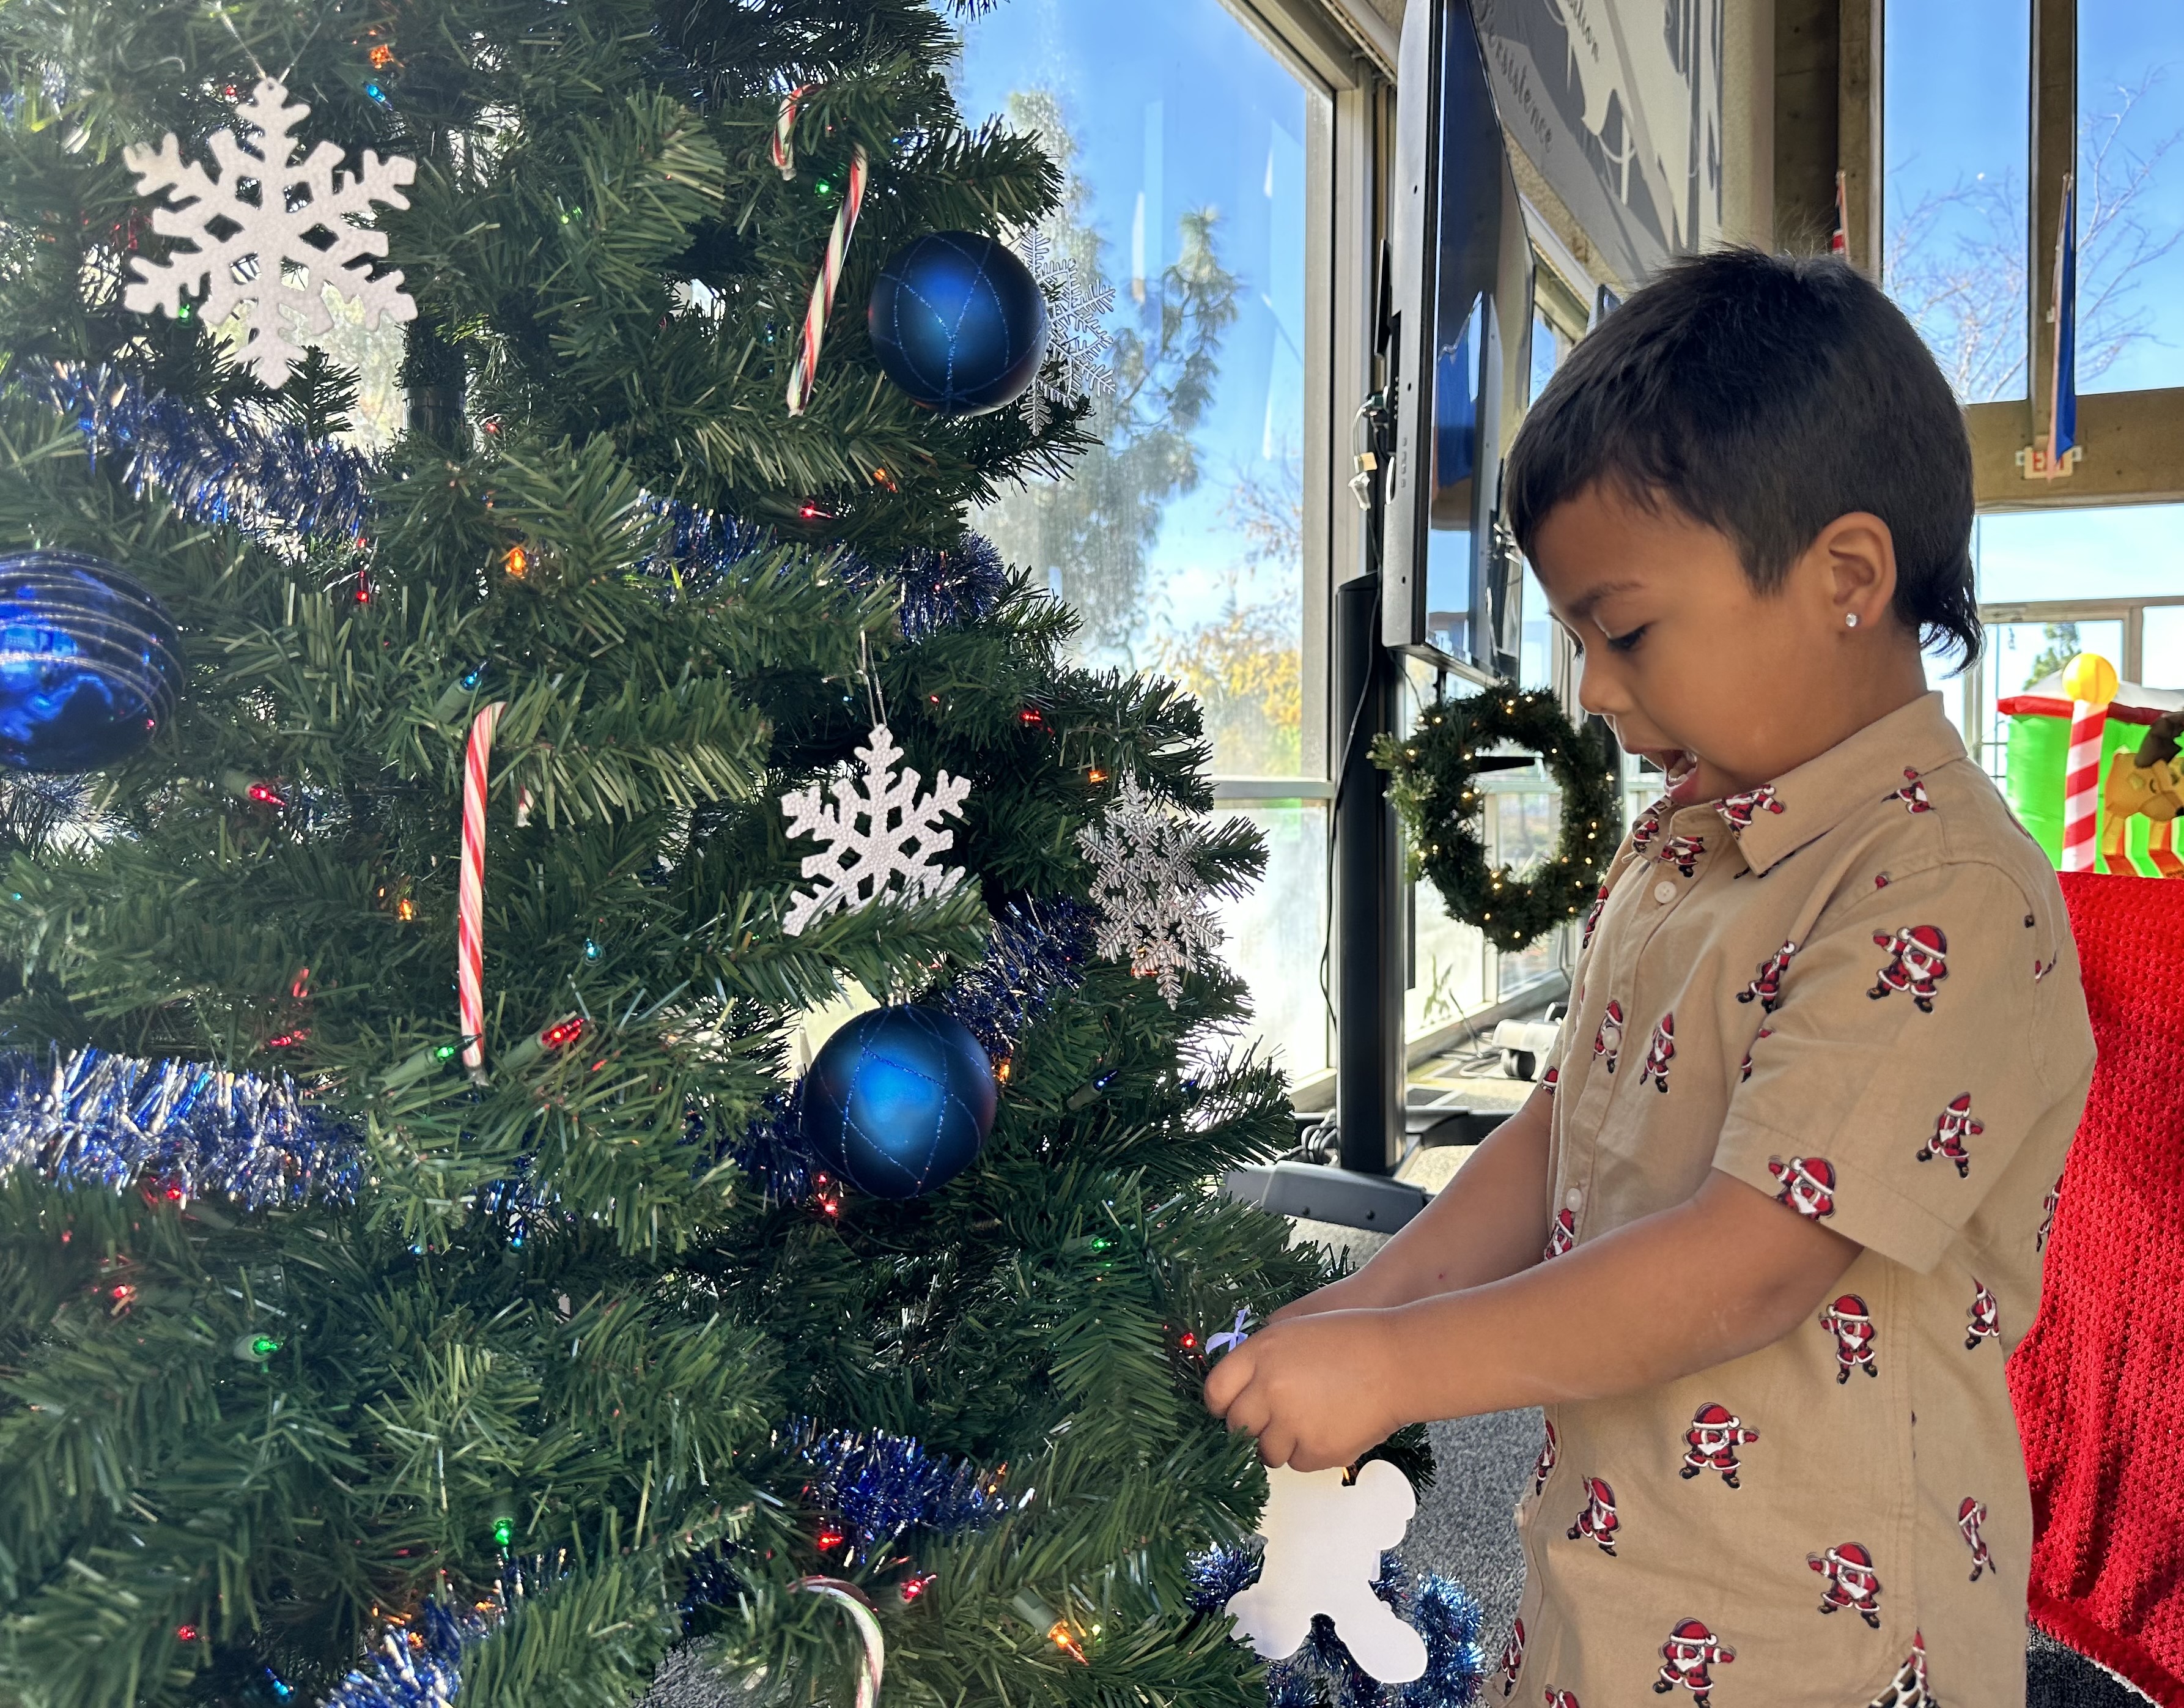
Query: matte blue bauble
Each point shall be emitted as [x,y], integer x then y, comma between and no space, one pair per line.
[899,1100]
[90,663]
[958,322]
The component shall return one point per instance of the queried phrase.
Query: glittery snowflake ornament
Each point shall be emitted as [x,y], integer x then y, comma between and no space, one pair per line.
[880,835]
[1076,339]
[281,247]
[1154,908]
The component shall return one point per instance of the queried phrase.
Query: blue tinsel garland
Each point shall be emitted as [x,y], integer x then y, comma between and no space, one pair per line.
[245,468]
[95,1117]
[881,1485]
[1038,950]
[1322,1674]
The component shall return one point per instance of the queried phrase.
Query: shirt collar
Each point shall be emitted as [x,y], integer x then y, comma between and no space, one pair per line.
[1885,758]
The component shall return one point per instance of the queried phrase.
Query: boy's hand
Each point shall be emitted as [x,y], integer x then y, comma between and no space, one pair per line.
[1336,1295]
[1317,1390]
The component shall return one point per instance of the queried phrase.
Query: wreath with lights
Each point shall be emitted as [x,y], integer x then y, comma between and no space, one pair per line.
[1434,783]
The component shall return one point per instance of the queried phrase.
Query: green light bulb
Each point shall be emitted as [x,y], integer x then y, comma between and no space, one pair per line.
[504,1530]
[264,1346]
[446,1052]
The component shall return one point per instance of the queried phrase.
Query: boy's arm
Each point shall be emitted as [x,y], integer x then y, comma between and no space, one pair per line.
[1727,1272]
[1490,1220]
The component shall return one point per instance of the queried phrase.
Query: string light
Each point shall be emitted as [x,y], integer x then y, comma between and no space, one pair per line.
[516,562]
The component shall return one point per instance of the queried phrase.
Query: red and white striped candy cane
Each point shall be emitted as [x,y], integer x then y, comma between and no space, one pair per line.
[784,131]
[470,892]
[2081,784]
[822,287]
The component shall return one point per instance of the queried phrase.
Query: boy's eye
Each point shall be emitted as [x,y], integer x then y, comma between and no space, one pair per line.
[1624,643]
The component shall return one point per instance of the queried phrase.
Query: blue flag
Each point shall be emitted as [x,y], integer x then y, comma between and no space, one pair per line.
[2063,392]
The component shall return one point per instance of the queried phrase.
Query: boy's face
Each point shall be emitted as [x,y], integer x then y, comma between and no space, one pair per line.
[1691,668]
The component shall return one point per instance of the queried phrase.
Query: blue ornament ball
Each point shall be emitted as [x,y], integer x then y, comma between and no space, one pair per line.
[90,663]
[958,322]
[899,1100]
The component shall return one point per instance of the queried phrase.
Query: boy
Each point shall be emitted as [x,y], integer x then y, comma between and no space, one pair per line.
[1751,1254]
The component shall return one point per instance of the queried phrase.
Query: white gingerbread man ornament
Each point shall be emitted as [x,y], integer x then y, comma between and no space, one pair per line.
[1324,1544]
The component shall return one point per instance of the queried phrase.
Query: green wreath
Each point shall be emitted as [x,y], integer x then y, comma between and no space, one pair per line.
[1433,774]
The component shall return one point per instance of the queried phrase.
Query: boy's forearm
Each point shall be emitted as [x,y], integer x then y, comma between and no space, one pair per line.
[1675,1292]
[1488,1222]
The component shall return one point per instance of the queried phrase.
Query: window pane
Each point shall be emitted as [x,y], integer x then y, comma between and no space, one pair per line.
[1275,934]
[1179,541]
[2164,643]
[2131,551]
[2131,195]
[1956,131]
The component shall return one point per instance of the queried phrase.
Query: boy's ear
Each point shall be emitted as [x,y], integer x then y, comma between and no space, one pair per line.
[1854,558]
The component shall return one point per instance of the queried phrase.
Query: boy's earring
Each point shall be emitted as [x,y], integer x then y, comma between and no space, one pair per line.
[1850,620]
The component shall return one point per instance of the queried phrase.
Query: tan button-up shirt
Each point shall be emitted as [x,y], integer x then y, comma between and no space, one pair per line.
[1853,988]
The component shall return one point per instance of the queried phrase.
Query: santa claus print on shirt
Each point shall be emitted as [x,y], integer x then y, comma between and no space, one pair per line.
[2047,1214]
[1918,962]
[1809,1185]
[1512,1658]
[1685,1657]
[1646,828]
[1548,1079]
[1913,794]
[1954,1125]
[1608,1040]
[1985,1322]
[1969,1516]
[1711,1443]
[1848,1320]
[1545,1462]
[1592,918]
[1768,986]
[1562,1236]
[1684,851]
[1659,1053]
[1848,1568]
[1562,1699]
[1744,1073]
[1737,811]
[1598,1519]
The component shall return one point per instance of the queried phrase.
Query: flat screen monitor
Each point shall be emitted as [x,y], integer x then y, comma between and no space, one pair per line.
[1453,580]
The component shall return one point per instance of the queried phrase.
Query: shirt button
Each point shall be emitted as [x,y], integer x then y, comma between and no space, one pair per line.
[1665,890]
[1572,1197]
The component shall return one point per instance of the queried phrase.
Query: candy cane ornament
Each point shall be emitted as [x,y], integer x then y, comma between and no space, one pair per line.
[470,894]
[868,1627]
[822,287]
[784,132]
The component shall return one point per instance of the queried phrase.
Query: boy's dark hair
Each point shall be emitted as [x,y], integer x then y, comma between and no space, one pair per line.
[1764,396]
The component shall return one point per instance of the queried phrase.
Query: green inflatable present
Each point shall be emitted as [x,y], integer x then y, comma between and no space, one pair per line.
[2039,743]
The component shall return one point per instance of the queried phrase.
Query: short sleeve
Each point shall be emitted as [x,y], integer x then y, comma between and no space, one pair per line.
[1900,1069]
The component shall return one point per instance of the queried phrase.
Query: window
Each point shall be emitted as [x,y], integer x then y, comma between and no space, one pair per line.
[2131,195]
[1197,162]
[1953,209]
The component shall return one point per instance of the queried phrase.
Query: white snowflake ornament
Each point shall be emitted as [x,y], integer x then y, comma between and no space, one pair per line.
[1324,1538]
[880,835]
[1153,910]
[268,258]
[1075,338]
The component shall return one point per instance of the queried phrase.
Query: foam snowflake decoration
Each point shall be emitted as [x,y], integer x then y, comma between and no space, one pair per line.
[880,835]
[1154,911]
[1076,339]
[279,250]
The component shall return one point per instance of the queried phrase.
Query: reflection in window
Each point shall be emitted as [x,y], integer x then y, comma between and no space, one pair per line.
[1273,936]
[1955,130]
[1179,540]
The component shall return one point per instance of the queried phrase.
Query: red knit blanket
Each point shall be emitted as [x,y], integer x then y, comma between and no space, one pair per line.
[2098,1381]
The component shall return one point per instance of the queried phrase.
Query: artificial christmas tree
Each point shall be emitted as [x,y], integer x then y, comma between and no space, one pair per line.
[414,1276]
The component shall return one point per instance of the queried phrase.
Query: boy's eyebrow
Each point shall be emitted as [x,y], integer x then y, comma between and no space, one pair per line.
[1583,608]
